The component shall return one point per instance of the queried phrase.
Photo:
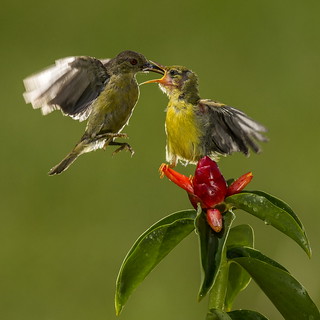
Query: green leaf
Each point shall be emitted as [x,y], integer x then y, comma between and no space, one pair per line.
[218,290]
[238,279]
[237,252]
[285,292]
[150,248]
[274,212]
[279,203]
[211,249]
[216,314]
[241,235]
[246,315]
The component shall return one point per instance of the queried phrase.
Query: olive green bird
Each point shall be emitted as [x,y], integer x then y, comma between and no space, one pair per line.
[198,127]
[103,92]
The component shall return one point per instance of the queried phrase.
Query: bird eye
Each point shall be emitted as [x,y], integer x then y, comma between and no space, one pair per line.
[133,61]
[173,73]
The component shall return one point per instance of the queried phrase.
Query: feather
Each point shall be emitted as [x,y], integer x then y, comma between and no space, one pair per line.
[230,130]
[71,85]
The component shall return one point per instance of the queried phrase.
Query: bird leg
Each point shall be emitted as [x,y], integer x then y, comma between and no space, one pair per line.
[111,135]
[108,138]
[123,146]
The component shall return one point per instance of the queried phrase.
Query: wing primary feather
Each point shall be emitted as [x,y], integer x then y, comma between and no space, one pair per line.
[41,87]
[71,85]
[231,130]
[246,131]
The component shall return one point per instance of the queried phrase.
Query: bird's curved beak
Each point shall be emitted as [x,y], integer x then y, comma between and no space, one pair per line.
[165,80]
[154,67]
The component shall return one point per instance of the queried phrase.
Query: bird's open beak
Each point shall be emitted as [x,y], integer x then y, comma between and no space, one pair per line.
[165,80]
[154,67]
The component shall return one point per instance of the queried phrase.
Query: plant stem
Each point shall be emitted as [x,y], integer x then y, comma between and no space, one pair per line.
[219,290]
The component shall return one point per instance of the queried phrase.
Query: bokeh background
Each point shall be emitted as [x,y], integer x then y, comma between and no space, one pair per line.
[63,238]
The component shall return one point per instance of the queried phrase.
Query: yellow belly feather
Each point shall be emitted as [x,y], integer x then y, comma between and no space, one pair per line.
[183,132]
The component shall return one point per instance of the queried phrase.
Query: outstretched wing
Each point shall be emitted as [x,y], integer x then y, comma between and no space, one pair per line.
[71,85]
[230,130]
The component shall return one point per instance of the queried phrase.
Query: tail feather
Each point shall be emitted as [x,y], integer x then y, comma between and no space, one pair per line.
[64,164]
[84,146]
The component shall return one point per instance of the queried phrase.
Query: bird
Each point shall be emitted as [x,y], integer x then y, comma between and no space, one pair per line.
[197,127]
[102,91]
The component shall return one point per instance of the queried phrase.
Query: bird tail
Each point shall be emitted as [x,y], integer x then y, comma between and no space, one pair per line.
[85,145]
[65,163]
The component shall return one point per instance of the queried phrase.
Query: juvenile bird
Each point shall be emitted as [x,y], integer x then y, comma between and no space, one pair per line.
[104,92]
[198,127]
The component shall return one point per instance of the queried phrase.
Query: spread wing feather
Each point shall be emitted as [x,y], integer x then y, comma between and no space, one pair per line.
[230,130]
[71,85]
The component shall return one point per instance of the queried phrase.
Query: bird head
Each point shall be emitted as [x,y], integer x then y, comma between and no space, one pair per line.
[178,80]
[132,62]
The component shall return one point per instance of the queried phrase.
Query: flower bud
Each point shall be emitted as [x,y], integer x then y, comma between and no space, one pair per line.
[208,183]
[179,179]
[208,187]
[214,219]
[239,184]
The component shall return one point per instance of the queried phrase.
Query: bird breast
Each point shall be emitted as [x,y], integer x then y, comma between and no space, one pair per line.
[183,131]
[113,108]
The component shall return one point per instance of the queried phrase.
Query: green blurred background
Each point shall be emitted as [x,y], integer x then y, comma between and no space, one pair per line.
[63,238]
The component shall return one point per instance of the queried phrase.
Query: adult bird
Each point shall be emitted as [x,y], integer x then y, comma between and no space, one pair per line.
[198,127]
[104,92]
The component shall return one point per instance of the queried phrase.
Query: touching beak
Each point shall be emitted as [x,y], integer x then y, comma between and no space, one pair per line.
[154,67]
[165,80]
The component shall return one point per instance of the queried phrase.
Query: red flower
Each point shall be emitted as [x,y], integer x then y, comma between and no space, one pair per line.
[208,187]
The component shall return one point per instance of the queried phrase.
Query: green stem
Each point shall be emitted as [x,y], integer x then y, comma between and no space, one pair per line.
[219,290]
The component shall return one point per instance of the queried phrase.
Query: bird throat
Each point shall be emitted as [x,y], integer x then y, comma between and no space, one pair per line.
[189,92]
[186,93]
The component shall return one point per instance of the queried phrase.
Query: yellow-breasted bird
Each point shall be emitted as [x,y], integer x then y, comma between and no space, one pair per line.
[198,127]
[104,92]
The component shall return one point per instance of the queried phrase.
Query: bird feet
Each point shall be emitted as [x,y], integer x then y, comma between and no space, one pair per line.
[123,146]
[108,137]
